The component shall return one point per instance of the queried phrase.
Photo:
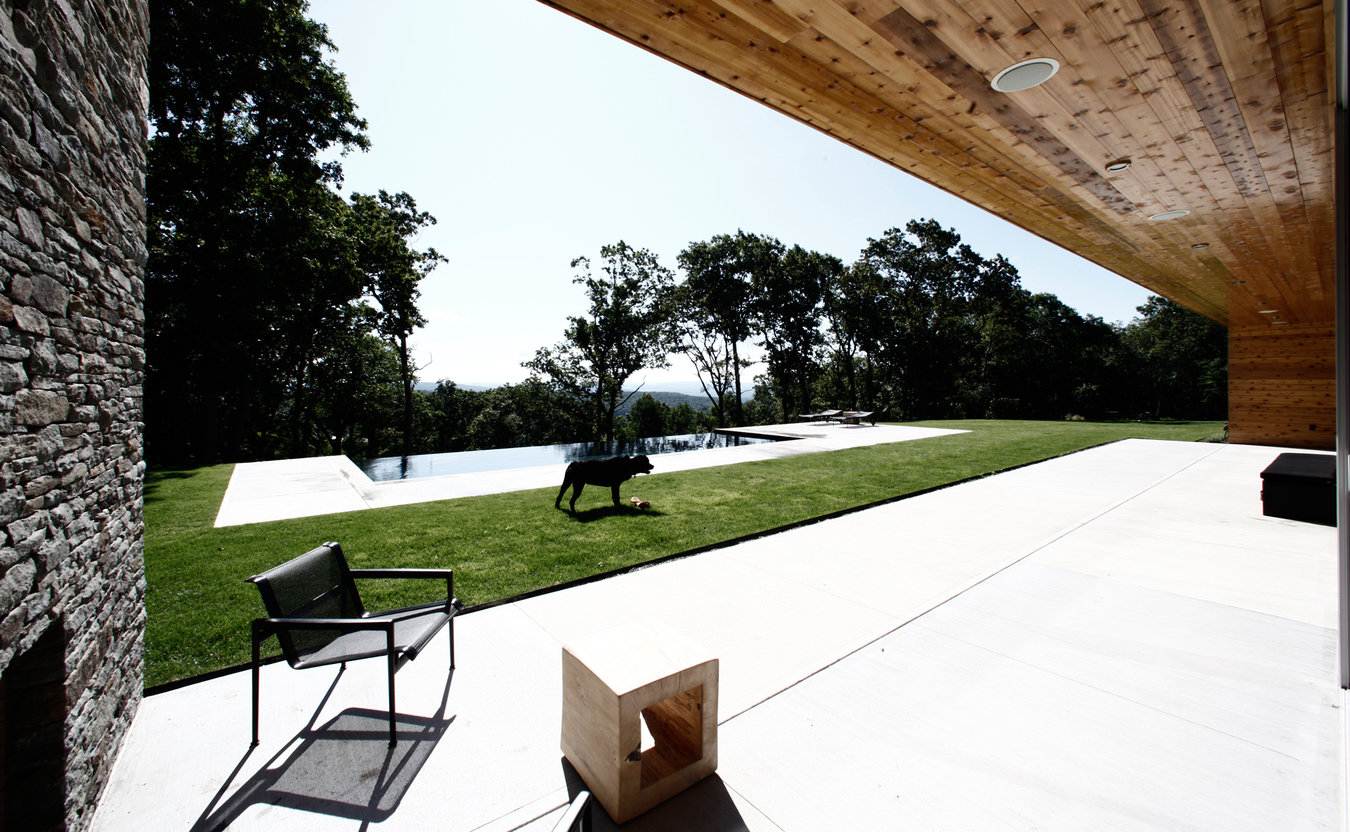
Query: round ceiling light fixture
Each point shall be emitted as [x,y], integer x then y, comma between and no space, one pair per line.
[1200,245]
[1025,75]
[1118,165]
[1267,311]
[1169,215]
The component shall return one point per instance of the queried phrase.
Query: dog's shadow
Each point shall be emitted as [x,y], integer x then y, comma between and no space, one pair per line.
[590,515]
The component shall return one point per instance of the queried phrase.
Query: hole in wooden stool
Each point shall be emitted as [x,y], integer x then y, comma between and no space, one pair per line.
[676,728]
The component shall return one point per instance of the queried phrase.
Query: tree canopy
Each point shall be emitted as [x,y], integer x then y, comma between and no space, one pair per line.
[262,280]
[627,328]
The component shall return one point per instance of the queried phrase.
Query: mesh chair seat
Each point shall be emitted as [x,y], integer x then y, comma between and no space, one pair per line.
[410,636]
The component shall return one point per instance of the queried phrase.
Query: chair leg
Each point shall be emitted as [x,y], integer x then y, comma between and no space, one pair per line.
[451,628]
[257,652]
[393,668]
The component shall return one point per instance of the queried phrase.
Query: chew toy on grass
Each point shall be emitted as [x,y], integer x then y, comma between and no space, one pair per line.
[639,502]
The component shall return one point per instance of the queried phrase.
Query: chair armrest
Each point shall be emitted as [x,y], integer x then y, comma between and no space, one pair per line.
[450,606]
[402,573]
[324,623]
[451,602]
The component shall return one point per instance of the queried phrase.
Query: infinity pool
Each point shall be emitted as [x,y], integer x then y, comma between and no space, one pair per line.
[387,468]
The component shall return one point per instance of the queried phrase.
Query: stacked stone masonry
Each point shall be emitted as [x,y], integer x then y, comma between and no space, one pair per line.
[73,99]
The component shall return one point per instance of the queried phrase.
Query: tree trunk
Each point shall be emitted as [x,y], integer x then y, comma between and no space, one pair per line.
[851,374]
[736,369]
[298,413]
[406,372]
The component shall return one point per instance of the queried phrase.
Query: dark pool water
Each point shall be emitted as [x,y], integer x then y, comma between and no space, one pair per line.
[388,468]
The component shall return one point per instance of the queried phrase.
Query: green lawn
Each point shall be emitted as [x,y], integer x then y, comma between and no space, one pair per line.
[199,606]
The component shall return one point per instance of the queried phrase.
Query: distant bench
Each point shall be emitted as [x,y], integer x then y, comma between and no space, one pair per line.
[847,417]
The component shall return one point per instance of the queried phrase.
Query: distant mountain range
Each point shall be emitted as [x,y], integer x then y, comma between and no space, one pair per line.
[428,386]
[689,393]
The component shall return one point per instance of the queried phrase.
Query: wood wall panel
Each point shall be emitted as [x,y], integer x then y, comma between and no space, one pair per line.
[1282,386]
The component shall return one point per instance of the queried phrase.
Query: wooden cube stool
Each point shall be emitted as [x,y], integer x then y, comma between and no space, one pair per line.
[616,681]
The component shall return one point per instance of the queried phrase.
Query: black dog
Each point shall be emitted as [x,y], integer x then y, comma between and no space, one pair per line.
[611,472]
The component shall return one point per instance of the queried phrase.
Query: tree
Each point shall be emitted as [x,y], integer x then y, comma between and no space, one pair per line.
[1183,357]
[788,310]
[383,226]
[700,341]
[648,416]
[450,410]
[855,324]
[682,419]
[719,294]
[242,102]
[927,280]
[496,425]
[627,328]
[354,380]
[307,311]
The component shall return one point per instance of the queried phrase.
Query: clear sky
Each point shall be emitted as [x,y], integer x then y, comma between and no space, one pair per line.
[534,138]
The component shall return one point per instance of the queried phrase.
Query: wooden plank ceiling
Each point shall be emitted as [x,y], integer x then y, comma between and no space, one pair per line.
[1224,108]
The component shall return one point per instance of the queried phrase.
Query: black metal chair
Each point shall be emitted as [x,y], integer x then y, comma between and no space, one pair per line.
[315,611]
[578,816]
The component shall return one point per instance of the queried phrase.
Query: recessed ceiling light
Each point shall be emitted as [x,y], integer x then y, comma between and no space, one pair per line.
[1118,165]
[1277,323]
[1267,311]
[1200,245]
[1239,283]
[1168,215]
[1025,75]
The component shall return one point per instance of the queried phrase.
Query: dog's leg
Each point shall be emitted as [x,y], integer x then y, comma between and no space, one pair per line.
[561,491]
[576,492]
[614,492]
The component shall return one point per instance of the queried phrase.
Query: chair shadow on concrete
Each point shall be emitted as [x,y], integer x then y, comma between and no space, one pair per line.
[706,806]
[344,768]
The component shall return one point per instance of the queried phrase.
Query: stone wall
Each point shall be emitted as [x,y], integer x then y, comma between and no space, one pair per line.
[73,98]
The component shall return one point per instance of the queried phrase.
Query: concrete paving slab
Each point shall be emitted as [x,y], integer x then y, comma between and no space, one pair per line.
[1259,674]
[1055,679]
[925,731]
[762,648]
[1204,536]
[1275,581]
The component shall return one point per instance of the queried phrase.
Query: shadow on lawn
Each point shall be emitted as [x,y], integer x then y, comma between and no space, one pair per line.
[590,515]
[150,487]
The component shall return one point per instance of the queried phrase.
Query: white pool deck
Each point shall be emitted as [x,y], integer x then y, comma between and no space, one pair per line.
[263,491]
[1113,640]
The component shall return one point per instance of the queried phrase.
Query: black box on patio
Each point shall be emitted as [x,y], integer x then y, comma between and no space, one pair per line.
[1300,487]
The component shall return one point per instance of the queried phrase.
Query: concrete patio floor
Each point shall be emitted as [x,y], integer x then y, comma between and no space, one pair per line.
[1116,639]
[285,488]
